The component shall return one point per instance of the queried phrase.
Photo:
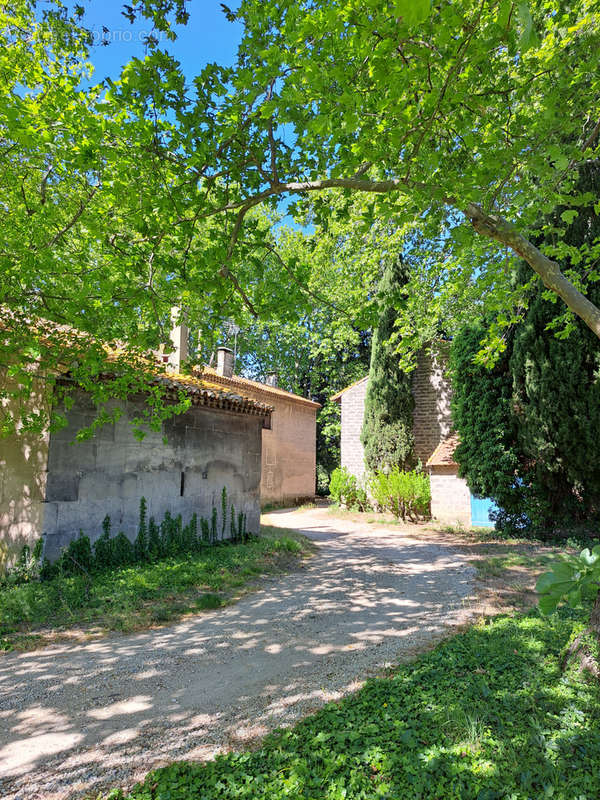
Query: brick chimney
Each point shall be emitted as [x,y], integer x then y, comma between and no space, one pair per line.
[179,338]
[225,362]
[272,379]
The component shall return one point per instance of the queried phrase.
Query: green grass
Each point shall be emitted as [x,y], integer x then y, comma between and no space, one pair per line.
[145,594]
[495,566]
[487,715]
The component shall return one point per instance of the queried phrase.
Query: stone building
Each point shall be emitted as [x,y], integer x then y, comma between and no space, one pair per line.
[288,445]
[432,428]
[54,486]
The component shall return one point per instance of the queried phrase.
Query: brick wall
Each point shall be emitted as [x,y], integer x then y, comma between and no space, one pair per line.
[353,412]
[431,416]
[431,389]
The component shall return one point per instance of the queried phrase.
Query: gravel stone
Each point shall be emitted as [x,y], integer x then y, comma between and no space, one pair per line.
[77,719]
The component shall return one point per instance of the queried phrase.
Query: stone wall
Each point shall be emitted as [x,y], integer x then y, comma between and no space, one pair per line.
[450,496]
[289,452]
[181,469]
[431,387]
[432,421]
[23,459]
[353,412]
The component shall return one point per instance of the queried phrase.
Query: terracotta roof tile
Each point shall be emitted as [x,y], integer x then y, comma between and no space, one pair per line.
[443,455]
[207,393]
[250,387]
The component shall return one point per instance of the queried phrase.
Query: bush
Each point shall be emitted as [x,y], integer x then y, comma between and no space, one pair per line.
[344,490]
[405,494]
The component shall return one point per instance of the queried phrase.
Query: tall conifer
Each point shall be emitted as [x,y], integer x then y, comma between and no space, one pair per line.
[530,428]
[387,433]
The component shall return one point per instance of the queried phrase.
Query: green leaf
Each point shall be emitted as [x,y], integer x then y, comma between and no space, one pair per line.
[548,603]
[569,215]
[413,11]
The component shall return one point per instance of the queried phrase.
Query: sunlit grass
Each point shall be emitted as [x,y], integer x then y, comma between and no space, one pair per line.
[143,595]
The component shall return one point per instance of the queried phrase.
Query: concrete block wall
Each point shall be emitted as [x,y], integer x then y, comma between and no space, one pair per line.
[450,496]
[289,452]
[353,413]
[181,469]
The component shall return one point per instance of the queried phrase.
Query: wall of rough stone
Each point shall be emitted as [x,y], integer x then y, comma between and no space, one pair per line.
[289,452]
[450,496]
[23,459]
[203,451]
[353,413]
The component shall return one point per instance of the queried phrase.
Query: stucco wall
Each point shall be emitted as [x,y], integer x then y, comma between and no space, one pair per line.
[203,451]
[450,496]
[23,459]
[353,412]
[289,452]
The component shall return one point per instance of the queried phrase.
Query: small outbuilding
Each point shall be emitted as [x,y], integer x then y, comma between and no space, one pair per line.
[435,441]
[289,444]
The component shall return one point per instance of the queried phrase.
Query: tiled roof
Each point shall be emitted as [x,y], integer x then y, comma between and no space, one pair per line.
[338,395]
[252,387]
[443,455]
[208,393]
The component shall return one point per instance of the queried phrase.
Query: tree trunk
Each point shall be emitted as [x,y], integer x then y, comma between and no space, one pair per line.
[496,227]
[595,618]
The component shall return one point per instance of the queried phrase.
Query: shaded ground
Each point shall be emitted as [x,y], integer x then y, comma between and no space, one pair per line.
[507,569]
[75,718]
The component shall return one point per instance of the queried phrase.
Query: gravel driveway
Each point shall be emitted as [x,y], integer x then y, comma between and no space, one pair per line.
[80,718]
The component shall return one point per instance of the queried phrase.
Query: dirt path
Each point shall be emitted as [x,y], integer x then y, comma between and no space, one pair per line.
[75,719]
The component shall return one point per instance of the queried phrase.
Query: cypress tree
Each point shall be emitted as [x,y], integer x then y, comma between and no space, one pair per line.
[387,433]
[530,428]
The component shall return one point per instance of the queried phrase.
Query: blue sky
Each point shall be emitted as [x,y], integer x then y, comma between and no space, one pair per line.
[206,38]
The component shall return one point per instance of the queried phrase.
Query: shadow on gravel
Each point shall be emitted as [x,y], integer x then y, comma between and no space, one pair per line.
[132,702]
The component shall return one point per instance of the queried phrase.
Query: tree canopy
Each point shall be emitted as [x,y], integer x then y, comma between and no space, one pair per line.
[461,124]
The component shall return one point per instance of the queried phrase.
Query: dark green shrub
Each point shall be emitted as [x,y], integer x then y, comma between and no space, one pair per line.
[141,542]
[528,427]
[223,512]
[154,541]
[103,547]
[123,551]
[205,528]
[77,557]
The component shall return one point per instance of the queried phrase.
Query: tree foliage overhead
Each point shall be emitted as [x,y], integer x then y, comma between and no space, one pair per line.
[530,426]
[461,125]
[387,433]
